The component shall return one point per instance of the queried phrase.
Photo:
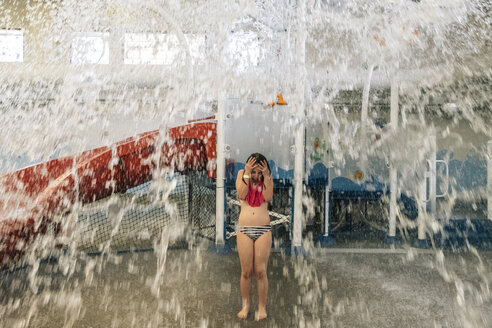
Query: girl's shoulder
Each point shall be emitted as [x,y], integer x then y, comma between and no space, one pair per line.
[240,174]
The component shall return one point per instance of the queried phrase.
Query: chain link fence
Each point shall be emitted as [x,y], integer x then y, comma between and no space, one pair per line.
[202,201]
[133,220]
[136,219]
[348,214]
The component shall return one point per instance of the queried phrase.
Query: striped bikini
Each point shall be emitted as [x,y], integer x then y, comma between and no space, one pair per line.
[254,232]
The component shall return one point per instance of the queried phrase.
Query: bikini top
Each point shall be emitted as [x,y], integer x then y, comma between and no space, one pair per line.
[255,195]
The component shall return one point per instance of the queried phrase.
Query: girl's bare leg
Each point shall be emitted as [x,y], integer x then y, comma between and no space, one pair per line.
[262,248]
[245,248]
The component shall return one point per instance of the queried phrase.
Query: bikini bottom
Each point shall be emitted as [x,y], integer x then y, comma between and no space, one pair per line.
[254,232]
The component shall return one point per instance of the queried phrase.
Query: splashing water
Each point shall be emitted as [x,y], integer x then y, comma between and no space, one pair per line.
[94,73]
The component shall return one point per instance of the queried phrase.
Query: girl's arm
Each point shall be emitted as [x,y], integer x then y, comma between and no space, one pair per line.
[242,185]
[268,189]
[267,182]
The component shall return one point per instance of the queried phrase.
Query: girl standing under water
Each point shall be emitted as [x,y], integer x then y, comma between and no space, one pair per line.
[254,187]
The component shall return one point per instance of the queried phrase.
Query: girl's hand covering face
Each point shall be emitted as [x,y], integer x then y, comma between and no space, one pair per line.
[264,168]
[250,165]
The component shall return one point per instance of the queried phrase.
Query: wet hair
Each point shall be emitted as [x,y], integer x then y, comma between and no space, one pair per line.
[258,159]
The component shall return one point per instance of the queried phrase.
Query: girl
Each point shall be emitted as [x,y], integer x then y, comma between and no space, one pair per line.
[254,187]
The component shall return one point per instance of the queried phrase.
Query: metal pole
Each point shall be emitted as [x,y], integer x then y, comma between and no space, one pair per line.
[298,186]
[364,119]
[422,212]
[393,173]
[489,180]
[327,210]
[299,132]
[432,178]
[220,182]
[426,197]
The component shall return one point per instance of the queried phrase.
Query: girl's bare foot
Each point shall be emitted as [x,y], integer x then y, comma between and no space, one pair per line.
[243,314]
[261,314]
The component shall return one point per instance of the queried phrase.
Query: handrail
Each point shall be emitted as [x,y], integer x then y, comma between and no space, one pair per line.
[202,119]
[447,177]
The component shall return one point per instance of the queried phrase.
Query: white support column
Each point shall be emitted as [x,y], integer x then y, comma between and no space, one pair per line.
[327,210]
[394,192]
[220,182]
[364,120]
[299,130]
[422,211]
[489,180]
[427,193]
[298,186]
[432,177]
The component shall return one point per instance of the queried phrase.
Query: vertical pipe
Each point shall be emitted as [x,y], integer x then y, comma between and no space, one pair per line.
[393,198]
[364,117]
[220,190]
[395,98]
[425,196]
[432,178]
[393,173]
[365,98]
[299,132]
[298,186]
[489,180]
[327,210]
[422,208]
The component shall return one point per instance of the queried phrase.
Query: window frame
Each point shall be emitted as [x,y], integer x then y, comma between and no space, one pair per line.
[14,33]
[105,57]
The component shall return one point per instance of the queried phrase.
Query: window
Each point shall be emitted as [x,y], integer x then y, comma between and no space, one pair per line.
[243,50]
[160,49]
[11,46]
[90,48]
[143,48]
[197,44]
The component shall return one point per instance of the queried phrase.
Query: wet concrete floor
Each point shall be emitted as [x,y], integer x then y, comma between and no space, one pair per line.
[341,287]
